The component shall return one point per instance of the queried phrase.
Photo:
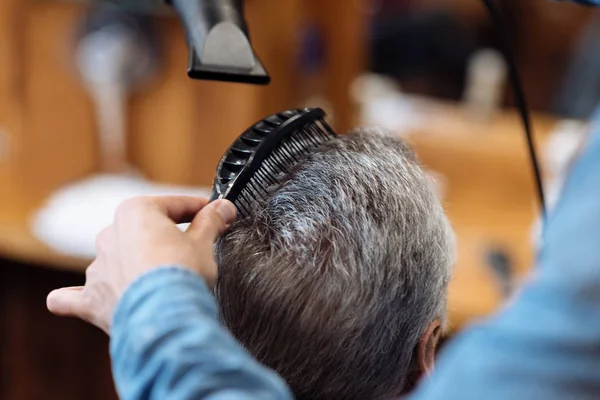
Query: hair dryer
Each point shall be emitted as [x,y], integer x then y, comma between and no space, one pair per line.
[219,43]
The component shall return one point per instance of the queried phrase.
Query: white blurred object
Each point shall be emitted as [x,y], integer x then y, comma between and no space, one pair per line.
[372,86]
[486,78]
[382,104]
[72,218]
[111,61]
[559,151]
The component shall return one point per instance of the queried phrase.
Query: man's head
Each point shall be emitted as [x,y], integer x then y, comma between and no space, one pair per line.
[338,279]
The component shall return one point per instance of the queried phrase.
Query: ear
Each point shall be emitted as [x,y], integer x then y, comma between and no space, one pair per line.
[427,347]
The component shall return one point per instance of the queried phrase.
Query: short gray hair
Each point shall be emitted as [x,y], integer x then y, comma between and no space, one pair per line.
[336,275]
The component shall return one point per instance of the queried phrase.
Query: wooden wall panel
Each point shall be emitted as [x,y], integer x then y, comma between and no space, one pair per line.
[58,142]
[178,128]
[343,26]
[11,89]
[163,128]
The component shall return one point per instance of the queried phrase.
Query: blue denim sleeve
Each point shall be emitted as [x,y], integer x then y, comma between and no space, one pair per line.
[167,343]
[546,344]
[585,2]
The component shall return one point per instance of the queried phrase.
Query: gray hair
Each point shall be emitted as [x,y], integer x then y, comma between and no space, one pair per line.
[337,274]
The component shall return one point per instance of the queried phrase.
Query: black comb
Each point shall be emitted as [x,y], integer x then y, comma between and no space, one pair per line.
[267,151]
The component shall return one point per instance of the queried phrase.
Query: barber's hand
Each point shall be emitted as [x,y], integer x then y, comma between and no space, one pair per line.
[144,236]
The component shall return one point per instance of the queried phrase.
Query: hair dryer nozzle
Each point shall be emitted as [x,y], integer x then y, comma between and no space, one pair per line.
[219,63]
[219,45]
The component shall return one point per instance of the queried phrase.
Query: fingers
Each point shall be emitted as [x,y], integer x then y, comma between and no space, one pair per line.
[213,220]
[66,302]
[180,209]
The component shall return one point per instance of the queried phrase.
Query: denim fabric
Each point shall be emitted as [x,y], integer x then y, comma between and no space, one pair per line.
[167,343]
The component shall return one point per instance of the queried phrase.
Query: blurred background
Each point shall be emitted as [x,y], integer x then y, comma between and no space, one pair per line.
[96,106]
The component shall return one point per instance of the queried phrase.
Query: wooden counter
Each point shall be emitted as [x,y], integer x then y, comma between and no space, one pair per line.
[18,244]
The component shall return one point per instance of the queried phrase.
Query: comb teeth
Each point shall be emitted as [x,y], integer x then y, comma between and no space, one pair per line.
[265,153]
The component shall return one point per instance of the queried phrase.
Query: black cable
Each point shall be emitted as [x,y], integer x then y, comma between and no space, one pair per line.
[519,96]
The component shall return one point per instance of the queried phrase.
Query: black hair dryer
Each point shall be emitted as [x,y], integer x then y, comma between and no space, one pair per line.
[219,42]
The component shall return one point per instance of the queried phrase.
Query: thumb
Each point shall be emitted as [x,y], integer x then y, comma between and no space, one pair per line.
[66,302]
[213,220]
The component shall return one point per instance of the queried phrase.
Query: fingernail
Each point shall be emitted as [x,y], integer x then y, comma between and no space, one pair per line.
[227,211]
[52,299]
